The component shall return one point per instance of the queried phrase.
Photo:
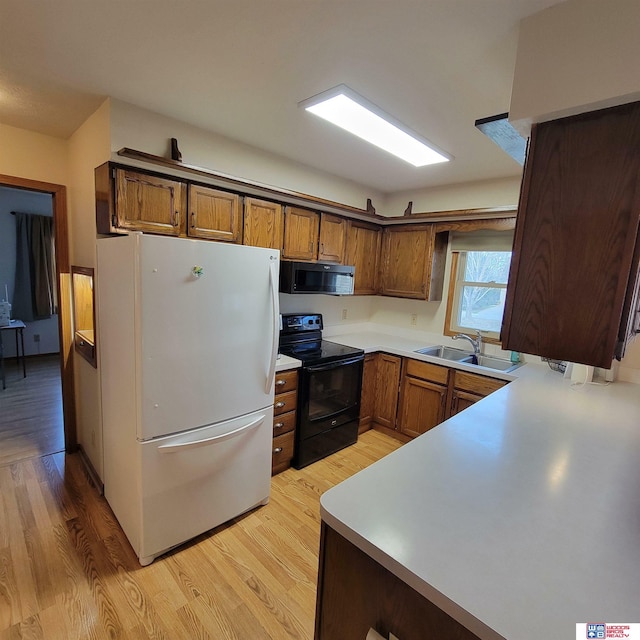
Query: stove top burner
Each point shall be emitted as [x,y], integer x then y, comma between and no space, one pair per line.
[319,351]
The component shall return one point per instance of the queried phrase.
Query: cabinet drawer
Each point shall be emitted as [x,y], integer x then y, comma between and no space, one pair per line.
[286,381]
[282,451]
[427,371]
[481,385]
[284,423]
[285,402]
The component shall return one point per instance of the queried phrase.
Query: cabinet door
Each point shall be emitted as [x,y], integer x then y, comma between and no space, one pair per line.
[387,383]
[368,395]
[148,203]
[263,224]
[574,261]
[215,215]
[301,228]
[460,400]
[408,255]
[333,233]
[363,251]
[422,406]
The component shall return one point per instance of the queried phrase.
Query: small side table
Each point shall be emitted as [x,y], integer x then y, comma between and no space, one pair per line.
[18,327]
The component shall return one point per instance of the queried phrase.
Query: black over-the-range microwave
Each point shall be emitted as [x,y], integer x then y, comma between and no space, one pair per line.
[316,277]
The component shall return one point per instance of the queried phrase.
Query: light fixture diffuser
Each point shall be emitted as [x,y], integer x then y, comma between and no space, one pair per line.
[353,113]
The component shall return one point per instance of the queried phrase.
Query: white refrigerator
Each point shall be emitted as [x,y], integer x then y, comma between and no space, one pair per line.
[187,344]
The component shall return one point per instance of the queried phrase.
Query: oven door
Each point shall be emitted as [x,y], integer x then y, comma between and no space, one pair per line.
[330,395]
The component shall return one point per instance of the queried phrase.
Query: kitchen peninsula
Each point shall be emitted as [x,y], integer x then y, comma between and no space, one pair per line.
[518,517]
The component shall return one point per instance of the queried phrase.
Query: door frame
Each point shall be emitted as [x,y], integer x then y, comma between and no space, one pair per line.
[63,276]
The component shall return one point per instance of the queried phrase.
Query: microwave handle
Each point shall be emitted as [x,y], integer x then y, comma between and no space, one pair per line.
[334,365]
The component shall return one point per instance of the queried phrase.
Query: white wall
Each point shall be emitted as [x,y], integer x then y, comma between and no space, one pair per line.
[576,56]
[46,329]
[150,132]
[471,195]
[89,147]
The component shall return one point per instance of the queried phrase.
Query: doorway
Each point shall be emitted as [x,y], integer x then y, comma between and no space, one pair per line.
[48,369]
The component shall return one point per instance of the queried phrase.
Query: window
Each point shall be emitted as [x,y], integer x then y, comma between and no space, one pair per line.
[477,292]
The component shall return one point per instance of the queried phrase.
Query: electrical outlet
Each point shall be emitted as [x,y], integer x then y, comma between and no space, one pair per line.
[344,314]
[414,319]
[36,337]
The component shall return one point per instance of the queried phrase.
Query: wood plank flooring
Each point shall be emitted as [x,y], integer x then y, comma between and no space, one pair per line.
[31,422]
[67,571]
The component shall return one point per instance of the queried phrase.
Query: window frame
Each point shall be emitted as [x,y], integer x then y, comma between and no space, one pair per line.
[453,300]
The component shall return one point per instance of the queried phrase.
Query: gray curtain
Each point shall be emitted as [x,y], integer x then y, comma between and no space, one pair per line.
[35,292]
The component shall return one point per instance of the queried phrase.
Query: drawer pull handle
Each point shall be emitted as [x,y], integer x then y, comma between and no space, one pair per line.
[279,383]
[277,450]
[278,425]
[279,405]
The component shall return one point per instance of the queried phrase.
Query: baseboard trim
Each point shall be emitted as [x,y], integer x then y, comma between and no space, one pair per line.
[91,472]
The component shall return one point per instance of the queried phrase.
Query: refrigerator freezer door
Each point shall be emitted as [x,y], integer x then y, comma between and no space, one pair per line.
[198,480]
[207,320]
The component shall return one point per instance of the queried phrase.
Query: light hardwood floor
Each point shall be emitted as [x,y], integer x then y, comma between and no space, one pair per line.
[31,422]
[67,571]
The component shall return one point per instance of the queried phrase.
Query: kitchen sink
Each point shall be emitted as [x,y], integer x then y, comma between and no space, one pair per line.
[499,364]
[459,355]
[448,353]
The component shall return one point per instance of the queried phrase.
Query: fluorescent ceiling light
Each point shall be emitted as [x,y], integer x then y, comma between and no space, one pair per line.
[346,109]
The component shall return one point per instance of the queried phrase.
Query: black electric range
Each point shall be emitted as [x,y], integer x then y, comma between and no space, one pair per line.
[328,390]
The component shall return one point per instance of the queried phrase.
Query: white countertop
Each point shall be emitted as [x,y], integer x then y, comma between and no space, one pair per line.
[284,363]
[520,516]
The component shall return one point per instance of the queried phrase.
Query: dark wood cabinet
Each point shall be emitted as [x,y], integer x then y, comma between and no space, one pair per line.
[363,252]
[356,593]
[573,288]
[413,260]
[467,388]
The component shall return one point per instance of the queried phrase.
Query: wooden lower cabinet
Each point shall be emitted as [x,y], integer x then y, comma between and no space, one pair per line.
[355,594]
[284,420]
[422,406]
[368,394]
[468,388]
[387,382]
[405,398]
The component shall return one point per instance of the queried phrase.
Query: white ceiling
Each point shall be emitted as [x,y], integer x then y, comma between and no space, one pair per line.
[240,67]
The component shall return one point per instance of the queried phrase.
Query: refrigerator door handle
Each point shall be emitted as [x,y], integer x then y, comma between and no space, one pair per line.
[181,446]
[276,318]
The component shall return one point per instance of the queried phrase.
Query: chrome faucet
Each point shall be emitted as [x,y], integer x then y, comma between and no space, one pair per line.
[477,343]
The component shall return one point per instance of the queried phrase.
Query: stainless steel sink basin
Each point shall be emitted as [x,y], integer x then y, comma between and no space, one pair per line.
[448,353]
[459,355]
[499,364]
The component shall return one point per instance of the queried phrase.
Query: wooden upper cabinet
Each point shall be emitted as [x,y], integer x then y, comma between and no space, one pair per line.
[301,228]
[575,259]
[263,224]
[149,203]
[413,258]
[214,214]
[333,235]
[363,251]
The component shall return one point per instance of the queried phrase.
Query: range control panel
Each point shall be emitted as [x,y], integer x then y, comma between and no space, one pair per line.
[294,323]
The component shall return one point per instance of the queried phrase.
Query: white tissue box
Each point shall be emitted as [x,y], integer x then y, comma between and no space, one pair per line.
[5,314]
